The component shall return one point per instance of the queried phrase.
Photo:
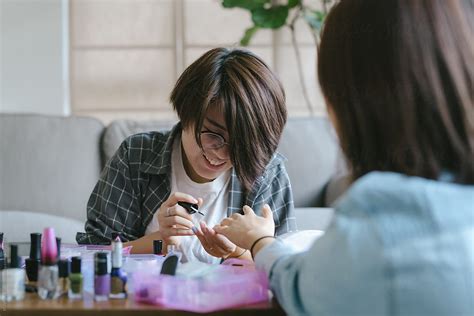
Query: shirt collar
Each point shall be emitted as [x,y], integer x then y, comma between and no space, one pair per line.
[160,162]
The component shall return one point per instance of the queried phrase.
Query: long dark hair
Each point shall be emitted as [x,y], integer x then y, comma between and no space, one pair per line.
[252,98]
[398,76]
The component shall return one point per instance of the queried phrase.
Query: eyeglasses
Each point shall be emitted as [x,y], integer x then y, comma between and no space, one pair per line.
[212,141]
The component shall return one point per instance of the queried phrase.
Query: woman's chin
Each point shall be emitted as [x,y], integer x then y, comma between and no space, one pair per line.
[213,168]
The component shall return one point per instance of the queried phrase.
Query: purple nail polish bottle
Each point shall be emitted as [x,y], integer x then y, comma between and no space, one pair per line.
[102,277]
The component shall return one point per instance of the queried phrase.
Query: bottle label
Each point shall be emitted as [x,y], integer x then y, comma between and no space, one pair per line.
[117,285]
[76,285]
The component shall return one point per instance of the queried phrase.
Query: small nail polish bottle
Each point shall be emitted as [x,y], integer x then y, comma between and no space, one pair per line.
[158,247]
[75,279]
[58,245]
[118,277]
[33,262]
[2,253]
[63,267]
[102,277]
[13,278]
[2,262]
[48,275]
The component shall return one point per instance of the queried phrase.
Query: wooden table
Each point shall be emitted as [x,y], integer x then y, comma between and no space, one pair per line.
[34,306]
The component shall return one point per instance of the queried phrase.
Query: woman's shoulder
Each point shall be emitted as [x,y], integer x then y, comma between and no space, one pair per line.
[389,196]
[148,147]
[147,140]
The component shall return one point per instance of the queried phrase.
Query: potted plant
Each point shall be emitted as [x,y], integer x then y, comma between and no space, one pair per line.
[270,14]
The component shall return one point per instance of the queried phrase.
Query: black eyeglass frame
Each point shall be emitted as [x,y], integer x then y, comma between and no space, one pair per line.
[221,144]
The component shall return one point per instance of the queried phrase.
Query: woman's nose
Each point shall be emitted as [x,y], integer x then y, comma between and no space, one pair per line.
[221,153]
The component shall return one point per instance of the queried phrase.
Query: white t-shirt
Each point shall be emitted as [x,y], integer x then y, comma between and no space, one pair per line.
[214,195]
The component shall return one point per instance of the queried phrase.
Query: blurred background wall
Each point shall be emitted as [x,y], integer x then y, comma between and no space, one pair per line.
[120,58]
[34,50]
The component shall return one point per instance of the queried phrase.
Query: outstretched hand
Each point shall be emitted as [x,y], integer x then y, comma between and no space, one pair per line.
[243,230]
[215,244]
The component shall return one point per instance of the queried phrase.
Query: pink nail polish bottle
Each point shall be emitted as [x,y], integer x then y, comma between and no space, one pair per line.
[48,275]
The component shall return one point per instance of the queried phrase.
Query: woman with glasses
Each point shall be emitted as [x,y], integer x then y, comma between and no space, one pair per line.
[398,78]
[221,156]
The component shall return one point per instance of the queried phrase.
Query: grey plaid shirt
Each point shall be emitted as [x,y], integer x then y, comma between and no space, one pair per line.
[136,181]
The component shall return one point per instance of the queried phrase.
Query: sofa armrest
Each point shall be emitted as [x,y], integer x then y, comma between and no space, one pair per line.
[314,218]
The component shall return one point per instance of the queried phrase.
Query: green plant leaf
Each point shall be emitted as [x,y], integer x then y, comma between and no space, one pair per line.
[271,18]
[244,4]
[293,3]
[249,33]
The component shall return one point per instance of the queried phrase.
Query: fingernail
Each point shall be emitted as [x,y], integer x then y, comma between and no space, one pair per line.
[194,229]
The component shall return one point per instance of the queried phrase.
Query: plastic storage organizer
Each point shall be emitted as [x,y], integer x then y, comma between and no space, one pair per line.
[228,285]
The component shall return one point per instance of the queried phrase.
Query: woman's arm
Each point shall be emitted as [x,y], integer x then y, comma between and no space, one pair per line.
[112,206]
[347,263]
[145,243]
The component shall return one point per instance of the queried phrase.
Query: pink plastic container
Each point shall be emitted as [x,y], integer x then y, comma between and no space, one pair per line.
[229,286]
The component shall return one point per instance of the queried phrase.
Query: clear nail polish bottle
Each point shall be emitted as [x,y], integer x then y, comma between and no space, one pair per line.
[13,278]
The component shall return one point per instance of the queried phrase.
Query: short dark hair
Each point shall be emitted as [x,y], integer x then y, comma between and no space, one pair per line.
[399,75]
[251,97]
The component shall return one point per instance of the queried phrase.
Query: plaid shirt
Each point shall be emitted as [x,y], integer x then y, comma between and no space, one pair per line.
[136,181]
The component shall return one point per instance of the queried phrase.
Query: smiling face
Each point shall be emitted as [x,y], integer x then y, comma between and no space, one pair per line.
[204,165]
[229,90]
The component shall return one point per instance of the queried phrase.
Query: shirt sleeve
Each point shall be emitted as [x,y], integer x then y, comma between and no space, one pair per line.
[344,264]
[275,190]
[113,205]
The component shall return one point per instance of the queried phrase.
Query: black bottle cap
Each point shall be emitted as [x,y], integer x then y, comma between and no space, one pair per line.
[169,265]
[115,235]
[158,247]
[15,260]
[64,266]
[58,244]
[76,265]
[35,248]
[100,259]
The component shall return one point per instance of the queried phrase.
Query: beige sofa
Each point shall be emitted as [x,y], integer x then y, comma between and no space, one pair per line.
[50,164]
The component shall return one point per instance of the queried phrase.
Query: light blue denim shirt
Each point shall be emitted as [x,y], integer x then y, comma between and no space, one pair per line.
[397,245]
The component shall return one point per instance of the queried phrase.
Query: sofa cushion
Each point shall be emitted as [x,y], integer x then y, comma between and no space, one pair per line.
[118,130]
[49,164]
[312,150]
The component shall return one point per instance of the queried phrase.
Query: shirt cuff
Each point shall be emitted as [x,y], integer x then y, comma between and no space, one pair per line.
[271,253]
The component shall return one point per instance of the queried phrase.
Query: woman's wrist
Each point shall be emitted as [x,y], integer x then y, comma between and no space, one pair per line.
[259,243]
[237,253]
